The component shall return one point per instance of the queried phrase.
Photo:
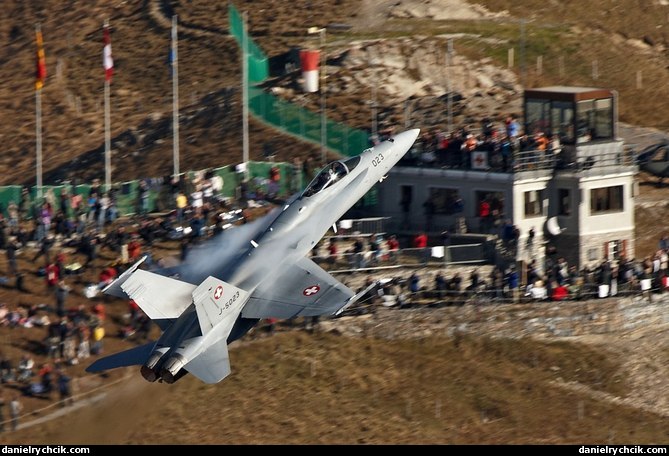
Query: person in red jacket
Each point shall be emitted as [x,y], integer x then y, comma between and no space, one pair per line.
[560,292]
[134,249]
[52,275]
[107,276]
[485,216]
[420,242]
[393,247]
[333,251]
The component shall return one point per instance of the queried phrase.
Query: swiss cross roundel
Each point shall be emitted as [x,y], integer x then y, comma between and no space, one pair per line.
[312,290]
[219,292]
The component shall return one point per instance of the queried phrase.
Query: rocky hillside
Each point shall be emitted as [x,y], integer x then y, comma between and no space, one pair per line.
[398,47]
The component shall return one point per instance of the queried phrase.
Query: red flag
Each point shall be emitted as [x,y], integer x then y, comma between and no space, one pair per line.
[40,70]
[107,61]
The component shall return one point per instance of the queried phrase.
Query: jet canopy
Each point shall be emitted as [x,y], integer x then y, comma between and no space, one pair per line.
[330,175]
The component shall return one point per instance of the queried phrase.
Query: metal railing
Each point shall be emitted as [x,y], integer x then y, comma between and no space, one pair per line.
[363,226]
[437,256]
[588,157]
[386,293]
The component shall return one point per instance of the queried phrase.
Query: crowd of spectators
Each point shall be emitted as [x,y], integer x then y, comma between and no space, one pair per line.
[554,280]
[506,145]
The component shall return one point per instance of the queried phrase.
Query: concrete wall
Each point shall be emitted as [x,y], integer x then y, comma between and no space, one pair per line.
[585,233]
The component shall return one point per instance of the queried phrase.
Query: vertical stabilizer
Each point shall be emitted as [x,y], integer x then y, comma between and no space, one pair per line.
[215,301]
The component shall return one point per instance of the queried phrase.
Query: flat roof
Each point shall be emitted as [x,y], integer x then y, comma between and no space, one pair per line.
[567,89]
[568,93]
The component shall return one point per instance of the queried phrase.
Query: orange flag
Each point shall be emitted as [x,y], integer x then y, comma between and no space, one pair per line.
[40,71]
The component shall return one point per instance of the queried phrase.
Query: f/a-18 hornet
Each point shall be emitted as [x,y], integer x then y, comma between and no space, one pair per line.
[262,272]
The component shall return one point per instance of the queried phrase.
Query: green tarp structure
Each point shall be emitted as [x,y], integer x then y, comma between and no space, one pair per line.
[285,116]
[160,197]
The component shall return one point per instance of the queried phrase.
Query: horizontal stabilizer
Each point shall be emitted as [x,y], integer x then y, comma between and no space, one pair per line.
[355,298]
[133,357]
[159,297]
[213,365]
[215,301]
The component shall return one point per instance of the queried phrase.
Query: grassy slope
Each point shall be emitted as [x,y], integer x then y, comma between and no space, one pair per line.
[593,25]
[375,391]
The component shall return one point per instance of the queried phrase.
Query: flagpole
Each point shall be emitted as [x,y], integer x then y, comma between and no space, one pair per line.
[38,124]
[245,95]
[175,98]
[38,141]
[107,139]
[107,130]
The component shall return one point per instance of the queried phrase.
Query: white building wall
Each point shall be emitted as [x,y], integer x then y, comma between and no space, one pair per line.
[582,231]
[523,222]
[607,222]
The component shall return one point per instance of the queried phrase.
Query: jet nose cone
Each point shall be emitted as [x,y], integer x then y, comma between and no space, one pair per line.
[413,133]
[406,138]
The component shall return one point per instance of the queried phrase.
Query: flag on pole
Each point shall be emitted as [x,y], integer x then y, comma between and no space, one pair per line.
[170,61]
[107,61]
[40,70]
[172,54]
[309,63]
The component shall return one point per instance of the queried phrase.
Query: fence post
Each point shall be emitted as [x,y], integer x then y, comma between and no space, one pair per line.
[509,58]
[447,255]
[540,65]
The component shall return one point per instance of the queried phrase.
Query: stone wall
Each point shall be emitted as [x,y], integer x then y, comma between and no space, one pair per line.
[547,319]
[596,241]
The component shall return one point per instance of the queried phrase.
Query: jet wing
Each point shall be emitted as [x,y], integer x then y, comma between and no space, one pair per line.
[301,290]
[161,298]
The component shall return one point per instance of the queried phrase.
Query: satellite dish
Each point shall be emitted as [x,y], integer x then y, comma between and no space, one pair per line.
[553,227]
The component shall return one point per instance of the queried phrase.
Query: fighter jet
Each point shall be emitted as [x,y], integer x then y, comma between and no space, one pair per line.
[263,273]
